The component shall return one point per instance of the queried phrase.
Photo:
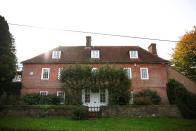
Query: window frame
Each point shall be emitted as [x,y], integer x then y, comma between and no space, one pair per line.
[62,98]
[131,56]
[128,68]
[56,54]
[95,54]
[59,73]
[42,78]
[87,95]
[147,74]
[103,95]
[43,92]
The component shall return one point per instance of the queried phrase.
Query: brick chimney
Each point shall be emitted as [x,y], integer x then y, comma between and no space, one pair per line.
[152,48]
[88,41]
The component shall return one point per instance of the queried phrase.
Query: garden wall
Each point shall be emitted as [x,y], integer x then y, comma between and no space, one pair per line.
[109,111]
[38,110]
[141,111]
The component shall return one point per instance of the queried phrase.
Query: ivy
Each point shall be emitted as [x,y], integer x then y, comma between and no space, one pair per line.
[78,77]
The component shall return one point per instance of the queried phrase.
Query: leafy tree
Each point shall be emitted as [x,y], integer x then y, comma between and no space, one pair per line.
[76,78]
[184,56]
[7,55]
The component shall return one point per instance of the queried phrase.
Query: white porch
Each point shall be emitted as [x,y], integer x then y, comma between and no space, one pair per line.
[95,98]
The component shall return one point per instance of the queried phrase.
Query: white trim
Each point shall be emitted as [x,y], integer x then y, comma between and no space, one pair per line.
[57,93]
[147,74]
[61,102]
[131,97]
[131,55]
[43,92]
[59,73]
[56,54]
[95,54]
[43,72]
[130,77]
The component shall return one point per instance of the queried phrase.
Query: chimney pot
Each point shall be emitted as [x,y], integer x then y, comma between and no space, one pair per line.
[152,48]
[88,41]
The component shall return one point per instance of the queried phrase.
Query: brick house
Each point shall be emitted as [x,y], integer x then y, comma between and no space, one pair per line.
[145,69]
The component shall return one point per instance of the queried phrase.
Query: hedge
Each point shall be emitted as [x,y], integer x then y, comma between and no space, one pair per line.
[37,99]
[185,100]
[147,97]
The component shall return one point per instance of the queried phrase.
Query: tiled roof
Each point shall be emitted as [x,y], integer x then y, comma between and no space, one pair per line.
[108,54]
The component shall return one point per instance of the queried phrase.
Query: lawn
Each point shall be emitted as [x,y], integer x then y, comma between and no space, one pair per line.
[104,124]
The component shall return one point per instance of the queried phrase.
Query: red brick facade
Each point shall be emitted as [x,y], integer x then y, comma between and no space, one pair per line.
[34,84]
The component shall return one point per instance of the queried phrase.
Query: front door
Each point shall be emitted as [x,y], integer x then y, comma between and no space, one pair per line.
[94,100]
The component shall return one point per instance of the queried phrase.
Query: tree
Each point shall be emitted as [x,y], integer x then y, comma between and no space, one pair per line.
[184,56]
[7,55]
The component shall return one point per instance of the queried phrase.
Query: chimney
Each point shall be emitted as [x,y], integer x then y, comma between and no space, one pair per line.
[152,48]
[88,41]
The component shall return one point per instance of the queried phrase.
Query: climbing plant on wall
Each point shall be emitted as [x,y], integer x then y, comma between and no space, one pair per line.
[78,77]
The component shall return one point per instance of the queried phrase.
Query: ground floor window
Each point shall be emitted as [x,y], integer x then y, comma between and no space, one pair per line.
[131,98]
[61,95]
[43,93]
[87,95]
[102,95]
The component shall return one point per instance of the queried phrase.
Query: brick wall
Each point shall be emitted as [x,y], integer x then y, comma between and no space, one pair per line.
[33,83]
[173,74]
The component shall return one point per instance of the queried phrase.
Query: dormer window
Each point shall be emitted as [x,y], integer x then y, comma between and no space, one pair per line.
[133,54]
[95,54]
[56,54]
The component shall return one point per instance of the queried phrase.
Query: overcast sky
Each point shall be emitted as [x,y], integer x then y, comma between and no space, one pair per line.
[162,19]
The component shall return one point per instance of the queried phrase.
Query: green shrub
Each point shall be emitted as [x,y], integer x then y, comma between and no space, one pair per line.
[31,99]
[147,97]
[37,99]
[141,100]
[171,90]
[80,113]
[185,100]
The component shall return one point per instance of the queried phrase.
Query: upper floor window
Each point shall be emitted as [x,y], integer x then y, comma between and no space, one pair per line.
[45,73]
[43,93]
[95,54]
[133,54]
[144,73]
[56,54]
[129,73]
[59,73]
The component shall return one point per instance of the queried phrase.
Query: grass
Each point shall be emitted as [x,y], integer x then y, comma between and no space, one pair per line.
[103,124]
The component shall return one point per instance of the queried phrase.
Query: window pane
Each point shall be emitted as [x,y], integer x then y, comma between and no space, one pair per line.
[144,73]
[59,73]
[87,95]
[102,95]
[128,72]
[133,54]
[94,53]
[43,93]
[45,73]
[56,54]
[61,96]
